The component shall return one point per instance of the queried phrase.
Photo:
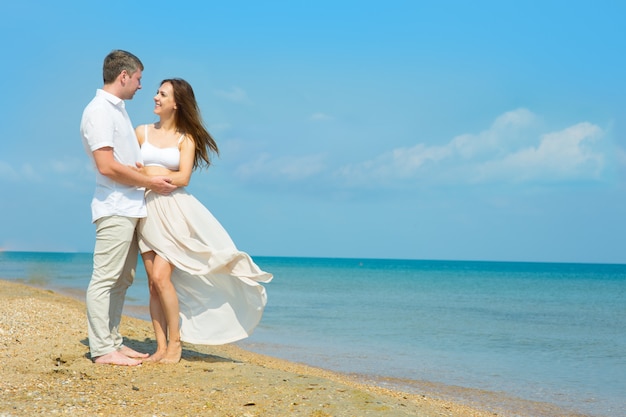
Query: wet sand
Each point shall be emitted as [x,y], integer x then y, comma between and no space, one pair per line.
[46,370]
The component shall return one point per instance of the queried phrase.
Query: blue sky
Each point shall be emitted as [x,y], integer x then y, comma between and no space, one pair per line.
[483,130]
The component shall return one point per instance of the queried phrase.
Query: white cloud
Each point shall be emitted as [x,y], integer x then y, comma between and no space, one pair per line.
[400,163]
[510,150]
[284,168]
[7,171]
[232,147]
[564,155]
[320,116]
[50,171]
[28,172]
[25,172]
[66,166]
[505,132]
[235,94]
[219,127]
[620,156]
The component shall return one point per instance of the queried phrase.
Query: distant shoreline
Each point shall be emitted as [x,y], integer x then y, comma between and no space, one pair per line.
[374,259]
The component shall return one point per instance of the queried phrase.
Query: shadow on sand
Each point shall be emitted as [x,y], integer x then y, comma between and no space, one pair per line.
[149,346]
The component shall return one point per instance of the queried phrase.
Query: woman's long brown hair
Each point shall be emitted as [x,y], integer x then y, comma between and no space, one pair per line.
[189,122]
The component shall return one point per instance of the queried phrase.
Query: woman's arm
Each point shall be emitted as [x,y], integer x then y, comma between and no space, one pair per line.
[187,153]
[139,131]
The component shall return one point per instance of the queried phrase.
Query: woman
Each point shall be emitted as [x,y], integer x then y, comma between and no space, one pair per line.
[202,289]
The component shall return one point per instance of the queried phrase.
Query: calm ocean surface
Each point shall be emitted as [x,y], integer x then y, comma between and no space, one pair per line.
[544,332]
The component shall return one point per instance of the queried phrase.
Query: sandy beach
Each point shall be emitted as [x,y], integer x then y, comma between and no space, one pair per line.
[46,370]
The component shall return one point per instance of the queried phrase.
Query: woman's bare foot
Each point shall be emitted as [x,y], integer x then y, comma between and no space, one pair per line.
[117,358]
[126,351]
[173,353]
[156,356]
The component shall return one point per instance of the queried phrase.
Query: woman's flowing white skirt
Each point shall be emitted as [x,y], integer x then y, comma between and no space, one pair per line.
[220,298]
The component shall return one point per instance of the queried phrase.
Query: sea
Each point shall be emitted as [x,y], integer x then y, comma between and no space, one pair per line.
[521,339]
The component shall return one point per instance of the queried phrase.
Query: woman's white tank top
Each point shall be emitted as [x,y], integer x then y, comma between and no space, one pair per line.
[161,157]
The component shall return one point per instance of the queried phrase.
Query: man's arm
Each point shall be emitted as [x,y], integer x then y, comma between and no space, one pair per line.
[109,167]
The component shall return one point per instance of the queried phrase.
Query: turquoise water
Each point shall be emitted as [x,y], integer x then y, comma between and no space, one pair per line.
[543,332]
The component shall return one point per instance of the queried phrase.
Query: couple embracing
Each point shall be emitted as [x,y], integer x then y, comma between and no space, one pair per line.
[203,290]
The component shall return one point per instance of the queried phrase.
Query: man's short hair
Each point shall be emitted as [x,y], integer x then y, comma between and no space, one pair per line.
[116,62]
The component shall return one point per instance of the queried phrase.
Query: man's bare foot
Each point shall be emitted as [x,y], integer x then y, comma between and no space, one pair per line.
[173,353]
[126,351]
[116,358]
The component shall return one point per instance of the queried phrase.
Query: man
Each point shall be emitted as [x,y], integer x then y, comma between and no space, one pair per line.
[117,205]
